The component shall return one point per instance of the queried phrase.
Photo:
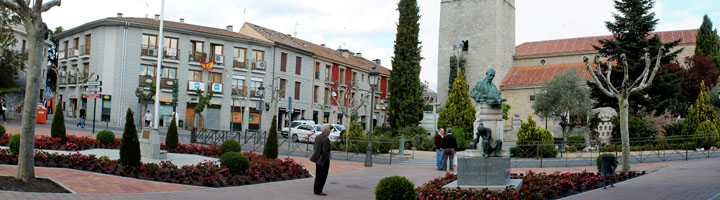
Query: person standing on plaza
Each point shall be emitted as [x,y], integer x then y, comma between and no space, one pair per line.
[81,124]
[449,144]
[3,108]
[148,118]
[321,158]
[438,149]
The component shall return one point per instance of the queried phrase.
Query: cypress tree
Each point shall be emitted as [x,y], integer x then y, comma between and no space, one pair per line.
[171,139]
[406,101]
[707,42]
[57,130]
[271,144]
[459,110]
[130,146]
[454,70]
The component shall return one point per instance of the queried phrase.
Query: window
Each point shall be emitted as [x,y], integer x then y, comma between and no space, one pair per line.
[283,62]
[66,48]
[254,87]
[216,52]
[149,45]
[354,75]
[197,46]
[215,77]
[76,43]
[23,47]
[88,39]
[147,70]
[532,97]
[168,72]
[315,94]
[327,96]
[298,65]
[86,69]
[196,54]
[327,72]
[342,76]
[240,56]
[317,71]
[106,105]
[362,77]
[259,55]
[238,86]
[171,48]
[297,90]
[74,68]
[196,76]
[283,87]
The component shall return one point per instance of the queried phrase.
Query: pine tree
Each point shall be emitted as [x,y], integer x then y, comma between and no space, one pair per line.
[459,110]
[406,101]
[57,130]
[454,69]
[707,42]
[171,139]
[130,146]
[271,144]
[702,111]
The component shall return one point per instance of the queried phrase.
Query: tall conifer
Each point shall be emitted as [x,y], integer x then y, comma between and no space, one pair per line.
[406,101]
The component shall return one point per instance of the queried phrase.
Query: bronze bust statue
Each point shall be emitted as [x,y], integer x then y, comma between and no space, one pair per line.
[485,90]
[489,145]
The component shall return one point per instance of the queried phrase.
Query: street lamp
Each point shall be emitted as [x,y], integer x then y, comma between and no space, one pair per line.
[261,94]
[373,76]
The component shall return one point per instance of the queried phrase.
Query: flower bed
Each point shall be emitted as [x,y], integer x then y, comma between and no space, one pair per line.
[210,151]
[207,173]
[535,186]
[73,143]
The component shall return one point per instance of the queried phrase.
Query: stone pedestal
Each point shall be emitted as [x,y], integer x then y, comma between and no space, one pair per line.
[475,171]
[150,145]
[491,117]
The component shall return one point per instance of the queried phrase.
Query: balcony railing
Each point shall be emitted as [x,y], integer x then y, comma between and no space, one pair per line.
[63,78]
[195,56]
[238,91]
[167,83]
[146,50]
[146,80]
[85,50]
[215,87]
[258,65]
[253,92]
[171,53]
[74,52]
[219,59]
[239,63]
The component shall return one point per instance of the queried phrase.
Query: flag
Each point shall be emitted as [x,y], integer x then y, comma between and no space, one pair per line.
[227,72]
[208,65]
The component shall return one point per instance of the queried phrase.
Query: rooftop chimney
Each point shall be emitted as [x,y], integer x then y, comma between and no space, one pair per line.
[157,17]
[358,54]
[119,15]
[322,45]
[377,61]
[182,20]
[229,28]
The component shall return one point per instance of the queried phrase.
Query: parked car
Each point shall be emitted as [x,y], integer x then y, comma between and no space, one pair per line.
[305,132]
[295,124]
[335,130]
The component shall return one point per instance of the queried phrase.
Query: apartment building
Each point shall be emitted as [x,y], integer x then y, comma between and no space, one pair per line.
[122,52]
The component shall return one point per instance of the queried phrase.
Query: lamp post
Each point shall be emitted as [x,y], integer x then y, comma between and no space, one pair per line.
[261,94]
[373,76]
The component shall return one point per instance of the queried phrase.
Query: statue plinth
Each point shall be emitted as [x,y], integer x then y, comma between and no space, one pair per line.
[491,117]
[150,145]
[476,171]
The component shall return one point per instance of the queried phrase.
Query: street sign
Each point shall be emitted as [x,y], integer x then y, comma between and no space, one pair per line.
[93,89]
[94,83]
[92,96]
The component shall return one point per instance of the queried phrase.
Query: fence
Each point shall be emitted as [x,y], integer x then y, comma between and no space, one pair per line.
[642,150]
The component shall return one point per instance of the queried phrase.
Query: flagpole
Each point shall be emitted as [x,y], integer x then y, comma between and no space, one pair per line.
[158,71]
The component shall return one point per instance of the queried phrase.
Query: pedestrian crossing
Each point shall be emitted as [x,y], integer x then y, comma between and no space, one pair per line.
[416,162]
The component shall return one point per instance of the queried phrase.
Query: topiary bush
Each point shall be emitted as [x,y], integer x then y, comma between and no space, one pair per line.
[270,150]
[230,146]
[2,130]
[105,136]
[395,188]
[57,130]
[14,144]
[235,161]
[534,141]
[598,160]
[130,146]
[171,139]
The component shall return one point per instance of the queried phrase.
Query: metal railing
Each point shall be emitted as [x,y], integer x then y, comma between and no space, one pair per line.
[85,50]
[197,56]
[146,50]
[171,53]
[239,63]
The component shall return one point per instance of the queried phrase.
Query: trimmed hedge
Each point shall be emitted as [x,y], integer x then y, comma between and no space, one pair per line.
[235,161]
[57,130]
[271,144]
[171,139]
[395,188]
[230,146]
[105,136]
[14,144]
[130,146]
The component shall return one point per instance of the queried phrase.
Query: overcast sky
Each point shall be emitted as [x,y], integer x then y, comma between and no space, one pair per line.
[368,26]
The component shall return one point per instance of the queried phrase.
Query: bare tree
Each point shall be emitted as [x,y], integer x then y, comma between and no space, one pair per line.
[601,77]
[347,101]
[31,16]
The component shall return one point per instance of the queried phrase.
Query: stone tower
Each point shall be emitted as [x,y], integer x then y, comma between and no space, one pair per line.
[489,28]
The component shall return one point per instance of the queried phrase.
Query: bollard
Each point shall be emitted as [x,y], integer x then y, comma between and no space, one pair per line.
[402,146]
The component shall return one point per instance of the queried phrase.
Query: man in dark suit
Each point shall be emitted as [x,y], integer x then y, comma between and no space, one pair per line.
[449,144]
[321,157]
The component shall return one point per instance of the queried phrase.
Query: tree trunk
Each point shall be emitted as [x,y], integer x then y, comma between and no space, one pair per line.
[624,133]
[26,161]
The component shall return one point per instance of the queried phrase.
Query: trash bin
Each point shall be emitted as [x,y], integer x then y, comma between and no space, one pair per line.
[41,117]
[607,166]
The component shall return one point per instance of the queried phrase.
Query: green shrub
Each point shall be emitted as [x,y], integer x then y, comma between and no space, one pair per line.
[235,161]
[411,131]
[571,148]
[674,128]
[270,150]
[14,144]
[171,139]
[57,130]
[706,134]
[2,130]
[105,136]
[637,127]
[534,141]
[383,130]
[130,146]
[230,146]
[427,144]
[463,138]
[395,188]
[599,159]
[577,141]
[717,144]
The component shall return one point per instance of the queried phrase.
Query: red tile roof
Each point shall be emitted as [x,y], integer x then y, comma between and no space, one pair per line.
[277,37]
[539,75]
[585,43]
[184,26]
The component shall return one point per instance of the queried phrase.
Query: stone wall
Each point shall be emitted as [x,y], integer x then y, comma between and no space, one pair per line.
[13,102]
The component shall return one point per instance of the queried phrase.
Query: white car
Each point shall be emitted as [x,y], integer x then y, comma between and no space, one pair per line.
[295,124]
[305,132]
[335,132]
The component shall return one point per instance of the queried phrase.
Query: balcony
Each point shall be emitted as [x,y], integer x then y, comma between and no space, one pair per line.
[62,55]
[195,86]
[237,92]
[85,51]
[239,63]
[62,78]
[217,88]
[317,75]
[254,93]
[167,83]
[146,50]
[146,80]
[171,53]
[74,52]
[219,59]
[258,65]
[195,56]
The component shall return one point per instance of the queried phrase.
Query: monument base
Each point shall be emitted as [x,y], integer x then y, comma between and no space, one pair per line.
[150,145]
[516,183]
[475,171]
